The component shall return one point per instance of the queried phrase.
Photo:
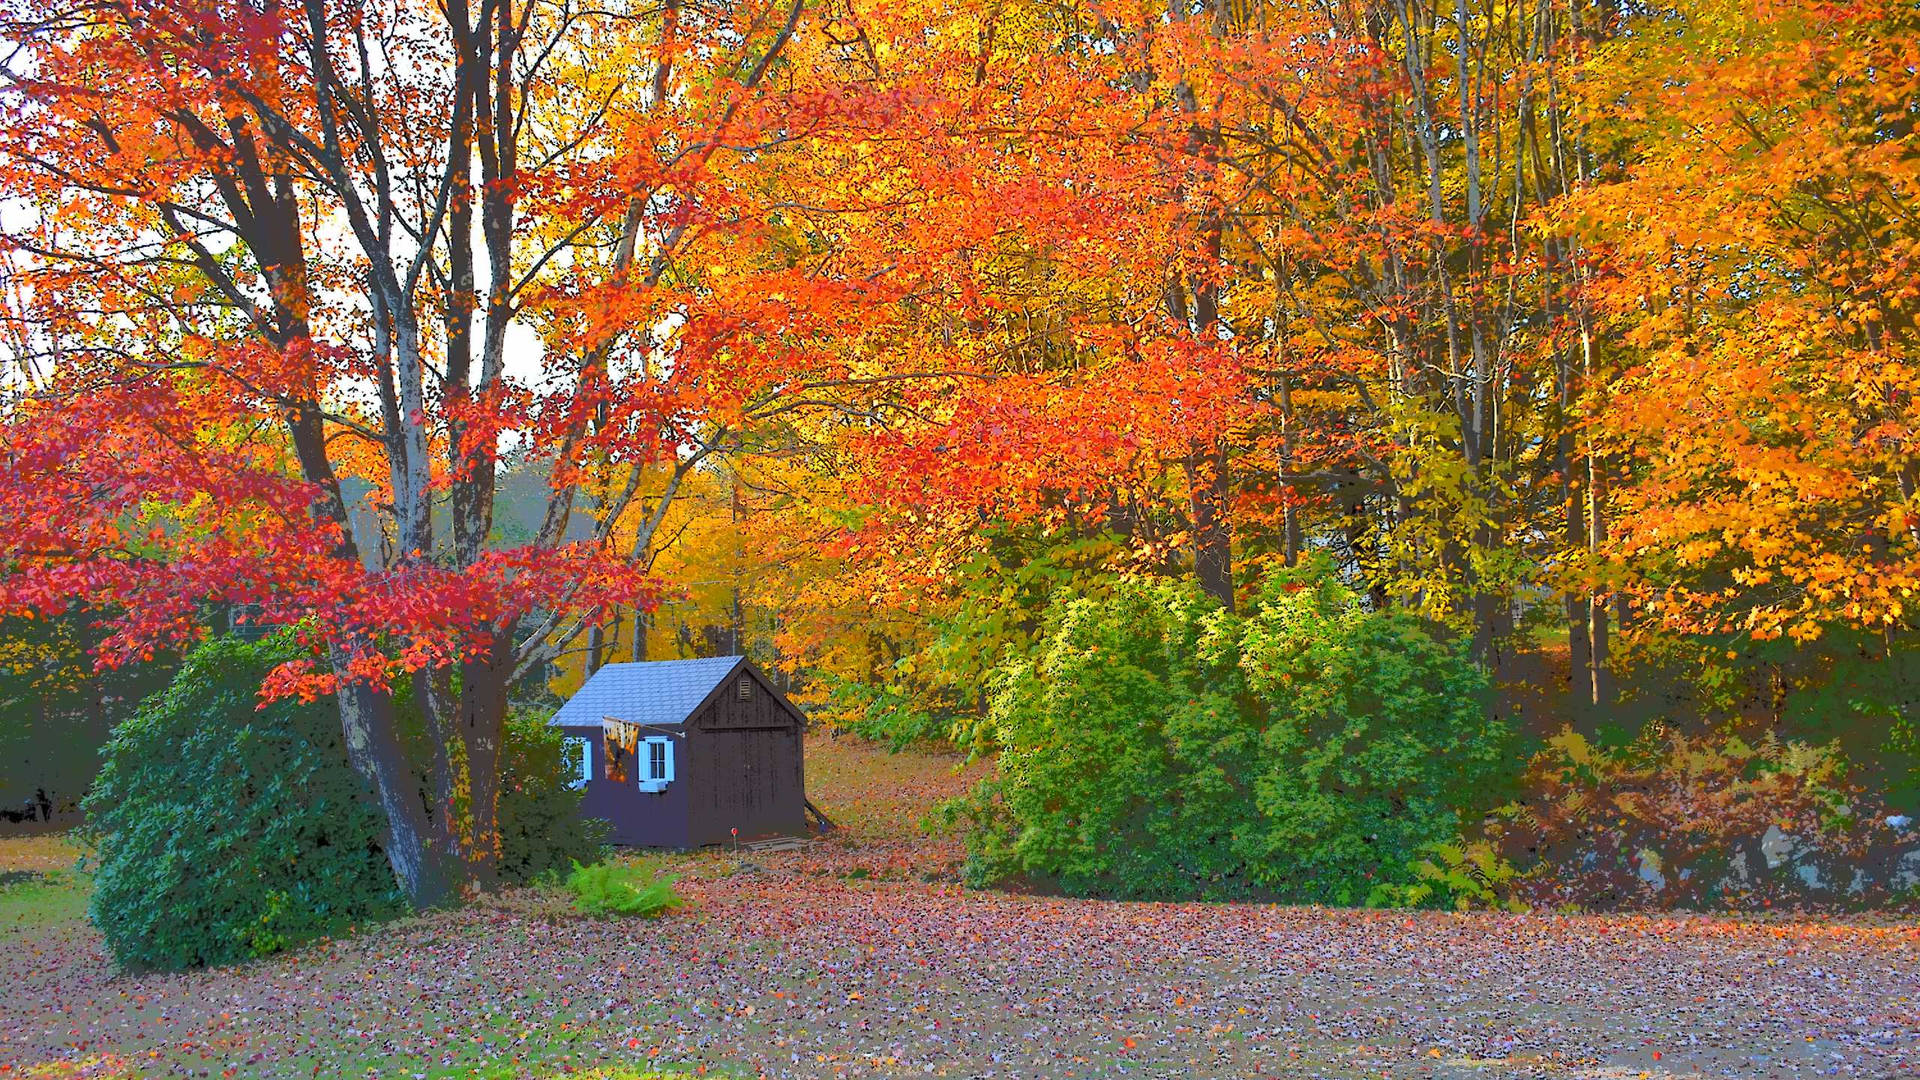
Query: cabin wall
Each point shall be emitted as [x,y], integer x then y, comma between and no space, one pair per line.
[751,772]
[639,818]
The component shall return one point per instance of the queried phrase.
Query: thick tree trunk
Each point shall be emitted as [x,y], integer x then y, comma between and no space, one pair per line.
[642,622]
[425,870]
[483,709]
[1579,649]
[596,650]
[1488,609]
[1579,635]
[433,691]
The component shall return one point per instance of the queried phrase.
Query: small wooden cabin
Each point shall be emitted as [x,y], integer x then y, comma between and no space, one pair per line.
[682,753]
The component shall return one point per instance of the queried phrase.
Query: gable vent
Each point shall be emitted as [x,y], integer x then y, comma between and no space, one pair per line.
[744,689]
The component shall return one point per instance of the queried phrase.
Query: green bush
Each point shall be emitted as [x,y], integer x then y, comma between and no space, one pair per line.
[1122,754]
[1376,735]
[605,889]
[226,830]
[1158,746]
[541,829]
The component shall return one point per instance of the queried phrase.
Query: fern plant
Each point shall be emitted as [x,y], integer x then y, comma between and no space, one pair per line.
[605,890]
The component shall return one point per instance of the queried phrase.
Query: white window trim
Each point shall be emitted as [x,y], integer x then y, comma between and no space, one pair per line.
[643,769]
[585,775]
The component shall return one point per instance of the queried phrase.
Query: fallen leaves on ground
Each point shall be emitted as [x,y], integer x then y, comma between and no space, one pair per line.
[782,967]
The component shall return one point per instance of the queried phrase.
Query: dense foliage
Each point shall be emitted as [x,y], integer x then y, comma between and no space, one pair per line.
[1586,330]
[228,830]
[232,829]
[56,712]
[1699,822]
[1376,737]
[1160,746]
[541,829]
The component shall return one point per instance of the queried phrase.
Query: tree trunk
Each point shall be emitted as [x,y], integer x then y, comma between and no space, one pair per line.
[425,870]
[1579,649]
[1601,687]
[1579,634]
[642,622]
[483,714]
[596,646]
[1290,511]
[737,617]
[1207,479]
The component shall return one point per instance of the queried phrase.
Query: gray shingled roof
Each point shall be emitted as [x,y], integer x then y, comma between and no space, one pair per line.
[649,692]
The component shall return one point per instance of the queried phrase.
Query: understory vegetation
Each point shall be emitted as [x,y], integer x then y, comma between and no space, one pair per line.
[1151,744]
[229,828]
[607,888]
[1159,746]
[229,831]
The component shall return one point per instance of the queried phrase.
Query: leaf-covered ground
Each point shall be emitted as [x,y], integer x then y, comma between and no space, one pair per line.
[847,961]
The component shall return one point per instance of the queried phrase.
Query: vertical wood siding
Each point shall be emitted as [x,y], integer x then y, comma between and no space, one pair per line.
[739,766]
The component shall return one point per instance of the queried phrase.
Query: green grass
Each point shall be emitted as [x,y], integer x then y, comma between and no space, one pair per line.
[39,897]
[507,1049]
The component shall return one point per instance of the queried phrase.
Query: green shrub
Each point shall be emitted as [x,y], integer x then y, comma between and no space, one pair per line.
[541,830]
[1158,746]
[883,712]
[1122,748]
[1375,736]
[605,889]
[227,830]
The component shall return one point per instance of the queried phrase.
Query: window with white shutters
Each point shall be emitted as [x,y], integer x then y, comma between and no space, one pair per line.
[656,763]
[579,757]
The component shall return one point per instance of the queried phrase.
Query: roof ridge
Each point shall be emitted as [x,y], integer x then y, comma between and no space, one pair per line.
[674,660]
[645,691]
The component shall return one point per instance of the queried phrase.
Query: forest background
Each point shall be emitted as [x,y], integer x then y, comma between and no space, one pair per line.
[486,343]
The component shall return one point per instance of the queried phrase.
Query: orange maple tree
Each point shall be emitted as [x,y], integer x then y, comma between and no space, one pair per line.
[1763,282]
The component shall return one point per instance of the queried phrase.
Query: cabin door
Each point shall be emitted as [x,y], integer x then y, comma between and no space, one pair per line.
[747,784]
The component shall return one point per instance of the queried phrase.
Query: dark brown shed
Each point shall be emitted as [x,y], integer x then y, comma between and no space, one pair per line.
[683,753]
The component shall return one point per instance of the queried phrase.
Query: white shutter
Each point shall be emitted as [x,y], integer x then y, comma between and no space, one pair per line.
[655,775]
[580,755]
